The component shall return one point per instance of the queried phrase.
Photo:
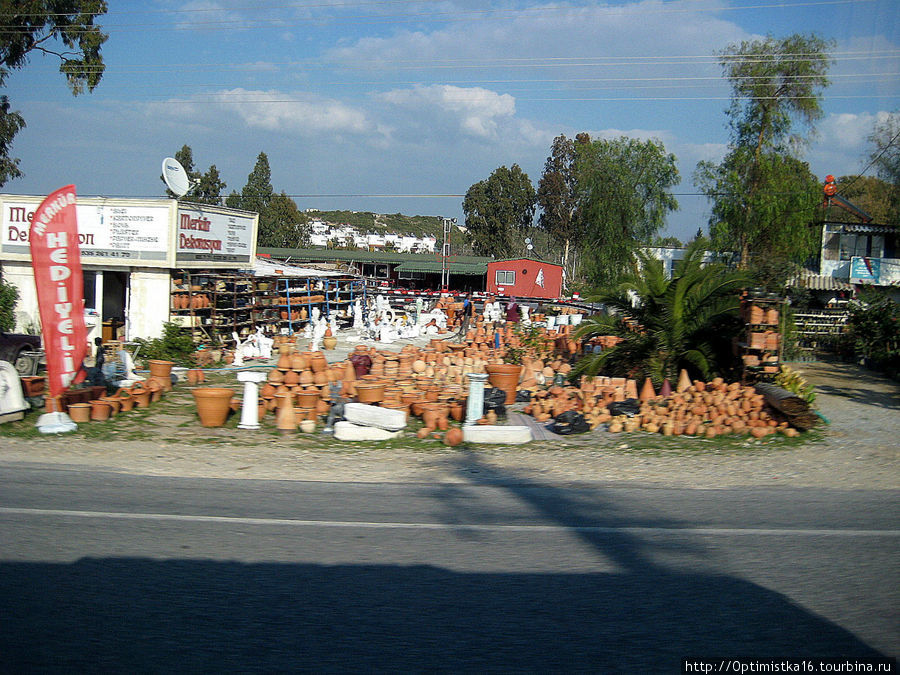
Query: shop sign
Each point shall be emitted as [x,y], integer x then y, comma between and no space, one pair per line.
[213,236]
[865,270]
[107,232]
[58,279]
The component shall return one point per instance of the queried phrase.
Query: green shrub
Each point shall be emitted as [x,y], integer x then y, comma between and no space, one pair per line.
[173,345]
[874,328]
[9,295]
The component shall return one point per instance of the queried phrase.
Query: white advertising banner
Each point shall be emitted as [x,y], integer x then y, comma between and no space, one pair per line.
[106,232]
[208,235]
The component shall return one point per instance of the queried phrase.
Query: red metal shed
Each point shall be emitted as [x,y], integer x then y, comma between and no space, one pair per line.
[525,277]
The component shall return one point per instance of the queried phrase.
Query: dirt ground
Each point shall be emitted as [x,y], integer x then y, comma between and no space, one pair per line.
[857,449]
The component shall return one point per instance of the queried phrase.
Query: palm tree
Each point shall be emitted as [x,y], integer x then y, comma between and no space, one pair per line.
[686,321]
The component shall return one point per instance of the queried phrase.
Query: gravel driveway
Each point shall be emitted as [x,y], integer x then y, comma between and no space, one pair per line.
[858,449]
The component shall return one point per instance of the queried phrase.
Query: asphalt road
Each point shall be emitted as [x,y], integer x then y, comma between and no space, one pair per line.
[105,572]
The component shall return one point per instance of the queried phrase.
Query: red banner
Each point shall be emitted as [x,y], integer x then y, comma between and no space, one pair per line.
[56,259]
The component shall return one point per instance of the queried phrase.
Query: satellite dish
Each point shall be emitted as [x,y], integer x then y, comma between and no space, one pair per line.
[175,176]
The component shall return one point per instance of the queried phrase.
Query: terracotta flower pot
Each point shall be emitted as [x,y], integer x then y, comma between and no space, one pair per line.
[160,369]
[100,410]
[369,392]
[80,412]
[213,405]
[504,376]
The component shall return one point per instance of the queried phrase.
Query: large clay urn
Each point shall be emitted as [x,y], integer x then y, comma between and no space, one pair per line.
[299,362]
[213,405]
[329,342]
[504,376]
[317,362]
[286,418]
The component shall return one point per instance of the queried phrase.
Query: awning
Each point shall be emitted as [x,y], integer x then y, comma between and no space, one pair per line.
[819,282]
[866,228]
[435,267]
[270,268]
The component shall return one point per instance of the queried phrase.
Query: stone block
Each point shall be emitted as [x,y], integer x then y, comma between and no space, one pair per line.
[490,433]
[347,431]
[373,416]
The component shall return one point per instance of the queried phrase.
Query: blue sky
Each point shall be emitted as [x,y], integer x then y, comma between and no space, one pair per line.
[399,106]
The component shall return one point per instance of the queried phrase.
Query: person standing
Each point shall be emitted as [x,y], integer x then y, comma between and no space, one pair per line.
[467,311]
[512,310]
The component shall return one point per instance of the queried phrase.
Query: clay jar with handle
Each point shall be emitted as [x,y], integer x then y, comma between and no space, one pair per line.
[141,394]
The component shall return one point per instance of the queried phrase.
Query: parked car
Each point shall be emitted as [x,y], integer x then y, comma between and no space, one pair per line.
[22,351]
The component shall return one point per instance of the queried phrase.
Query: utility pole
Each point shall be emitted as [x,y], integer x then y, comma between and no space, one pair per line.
[445,252]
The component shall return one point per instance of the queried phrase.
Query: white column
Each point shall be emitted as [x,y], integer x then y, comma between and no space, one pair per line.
[250,406]
[475,405]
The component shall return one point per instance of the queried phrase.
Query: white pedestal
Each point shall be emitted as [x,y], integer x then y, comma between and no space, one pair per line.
[250,406]
[475,406]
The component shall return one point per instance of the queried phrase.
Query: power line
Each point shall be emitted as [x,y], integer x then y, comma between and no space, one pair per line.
[446,16]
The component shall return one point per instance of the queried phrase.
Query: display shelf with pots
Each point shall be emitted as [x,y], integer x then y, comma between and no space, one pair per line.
[297,297]
[213,305]
[762,346]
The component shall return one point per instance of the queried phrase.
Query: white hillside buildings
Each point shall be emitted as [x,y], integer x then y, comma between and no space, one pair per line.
[343,235]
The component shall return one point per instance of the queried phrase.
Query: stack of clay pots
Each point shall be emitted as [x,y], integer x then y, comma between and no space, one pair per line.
[408,380]
[692,408]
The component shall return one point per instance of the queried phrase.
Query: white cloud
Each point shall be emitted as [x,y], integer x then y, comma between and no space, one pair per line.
[479,111]
[847,131]
[306,114]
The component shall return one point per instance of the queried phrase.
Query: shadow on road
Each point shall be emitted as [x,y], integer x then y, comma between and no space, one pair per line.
[135,615]
[847,380]
[139,615]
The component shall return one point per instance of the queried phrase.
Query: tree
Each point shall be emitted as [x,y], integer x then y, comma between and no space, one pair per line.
[257,193]
[623,198]
[206,187]
[871,194]
[776,87]
[286,227]
[886,159]
[557,195]
[209,187]
[498,208]
[233,200]
[686,321]
[61,28]
[668,242]
[772,217]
